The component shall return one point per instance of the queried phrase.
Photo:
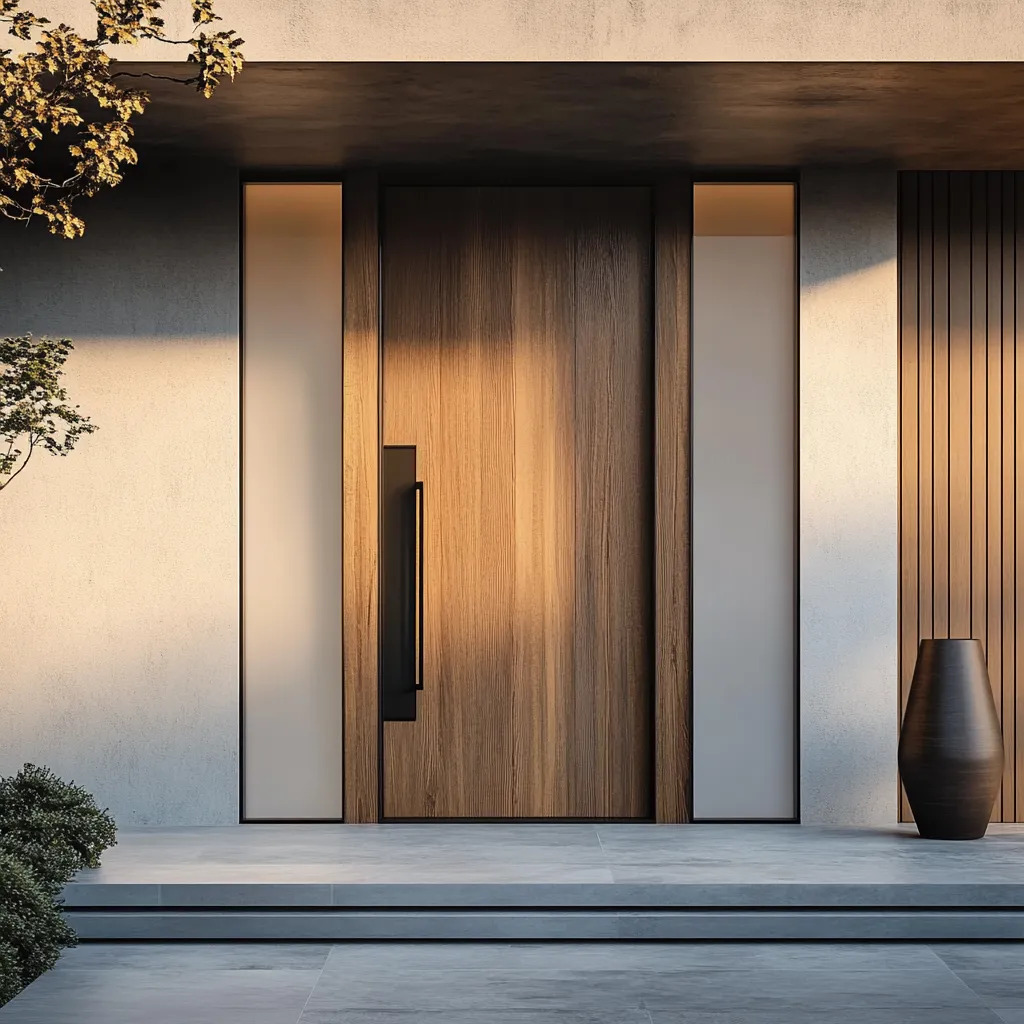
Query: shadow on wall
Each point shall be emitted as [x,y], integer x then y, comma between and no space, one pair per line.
[854,228]
[120,577]
[159,259]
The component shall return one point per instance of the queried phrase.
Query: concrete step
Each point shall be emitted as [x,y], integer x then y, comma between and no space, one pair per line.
[531,912]
[337,924]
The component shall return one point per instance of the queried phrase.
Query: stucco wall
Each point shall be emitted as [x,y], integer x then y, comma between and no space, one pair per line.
[119,579]
[642,30]
[848,496]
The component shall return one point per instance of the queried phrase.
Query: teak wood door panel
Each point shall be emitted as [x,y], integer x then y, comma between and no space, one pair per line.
[517,358]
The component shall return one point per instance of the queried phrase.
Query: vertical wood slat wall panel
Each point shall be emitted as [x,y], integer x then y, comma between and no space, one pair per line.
[941,235]
[958,478]
[910,565]
[961,510]
[992,335]
[1005,472]
[1013,706]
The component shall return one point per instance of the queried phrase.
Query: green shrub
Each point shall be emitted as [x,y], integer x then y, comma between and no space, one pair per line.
[33,929]
[48,830]
[10,975]
[52,826]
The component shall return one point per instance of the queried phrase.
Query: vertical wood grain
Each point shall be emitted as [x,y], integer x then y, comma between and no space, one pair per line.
[361,447]
[476,516]
[614,513]
[672,625]
[959,408]
[940,405]
[1009,460]
[517,359]
[976,539]
[1018,496]
[417,266]
[960,432]
[926,415]
[977,481]
[448,391]
[544,498]
[909,445]
[990,342]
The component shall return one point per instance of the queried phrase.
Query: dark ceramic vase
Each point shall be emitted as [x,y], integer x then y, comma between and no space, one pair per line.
[951,749]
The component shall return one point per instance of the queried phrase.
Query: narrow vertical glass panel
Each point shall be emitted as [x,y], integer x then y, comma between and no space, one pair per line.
[291,495]
[744,501]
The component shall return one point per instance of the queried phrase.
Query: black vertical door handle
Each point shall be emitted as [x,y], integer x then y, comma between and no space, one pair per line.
[421,507]
[401,574]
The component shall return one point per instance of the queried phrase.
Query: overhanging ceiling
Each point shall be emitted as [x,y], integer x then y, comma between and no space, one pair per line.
[326,115]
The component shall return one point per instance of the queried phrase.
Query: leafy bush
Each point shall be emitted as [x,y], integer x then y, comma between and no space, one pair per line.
[10,975]
[48,830]
[52,826]
[33,928]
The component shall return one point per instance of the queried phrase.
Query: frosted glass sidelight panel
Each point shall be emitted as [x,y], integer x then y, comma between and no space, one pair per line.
[744,501]
[291,494]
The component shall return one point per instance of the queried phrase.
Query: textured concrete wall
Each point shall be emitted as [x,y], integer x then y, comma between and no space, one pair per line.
[119,579]
[848,497]
[640,30]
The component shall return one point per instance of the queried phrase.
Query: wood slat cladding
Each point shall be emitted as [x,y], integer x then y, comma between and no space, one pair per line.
[961,272]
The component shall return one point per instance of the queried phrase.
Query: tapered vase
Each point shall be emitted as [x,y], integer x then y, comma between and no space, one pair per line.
[951,748]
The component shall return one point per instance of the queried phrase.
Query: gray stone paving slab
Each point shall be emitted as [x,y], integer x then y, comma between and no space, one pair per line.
[496,1016]
[998,987]
[183,956]
[981,955]
[163,996]
[527,983]
[606,854]
[673,956]
[870,1015]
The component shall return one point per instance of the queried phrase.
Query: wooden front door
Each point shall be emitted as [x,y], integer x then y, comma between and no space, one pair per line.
[518,364]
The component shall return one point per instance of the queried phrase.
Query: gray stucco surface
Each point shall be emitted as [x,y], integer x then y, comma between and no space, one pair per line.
[849,542]
[119,581]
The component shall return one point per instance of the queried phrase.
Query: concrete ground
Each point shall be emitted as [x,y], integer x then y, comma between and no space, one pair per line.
[432,983]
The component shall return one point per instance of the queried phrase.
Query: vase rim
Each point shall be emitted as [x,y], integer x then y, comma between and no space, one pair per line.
[950,640]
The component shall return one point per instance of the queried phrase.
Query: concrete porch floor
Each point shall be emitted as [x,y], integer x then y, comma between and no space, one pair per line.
[528,882]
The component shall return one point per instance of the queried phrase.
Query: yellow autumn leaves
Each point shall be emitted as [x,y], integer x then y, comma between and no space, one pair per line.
[44,90]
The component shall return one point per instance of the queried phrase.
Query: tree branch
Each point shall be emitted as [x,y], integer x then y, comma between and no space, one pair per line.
[147,74]
[31,449]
